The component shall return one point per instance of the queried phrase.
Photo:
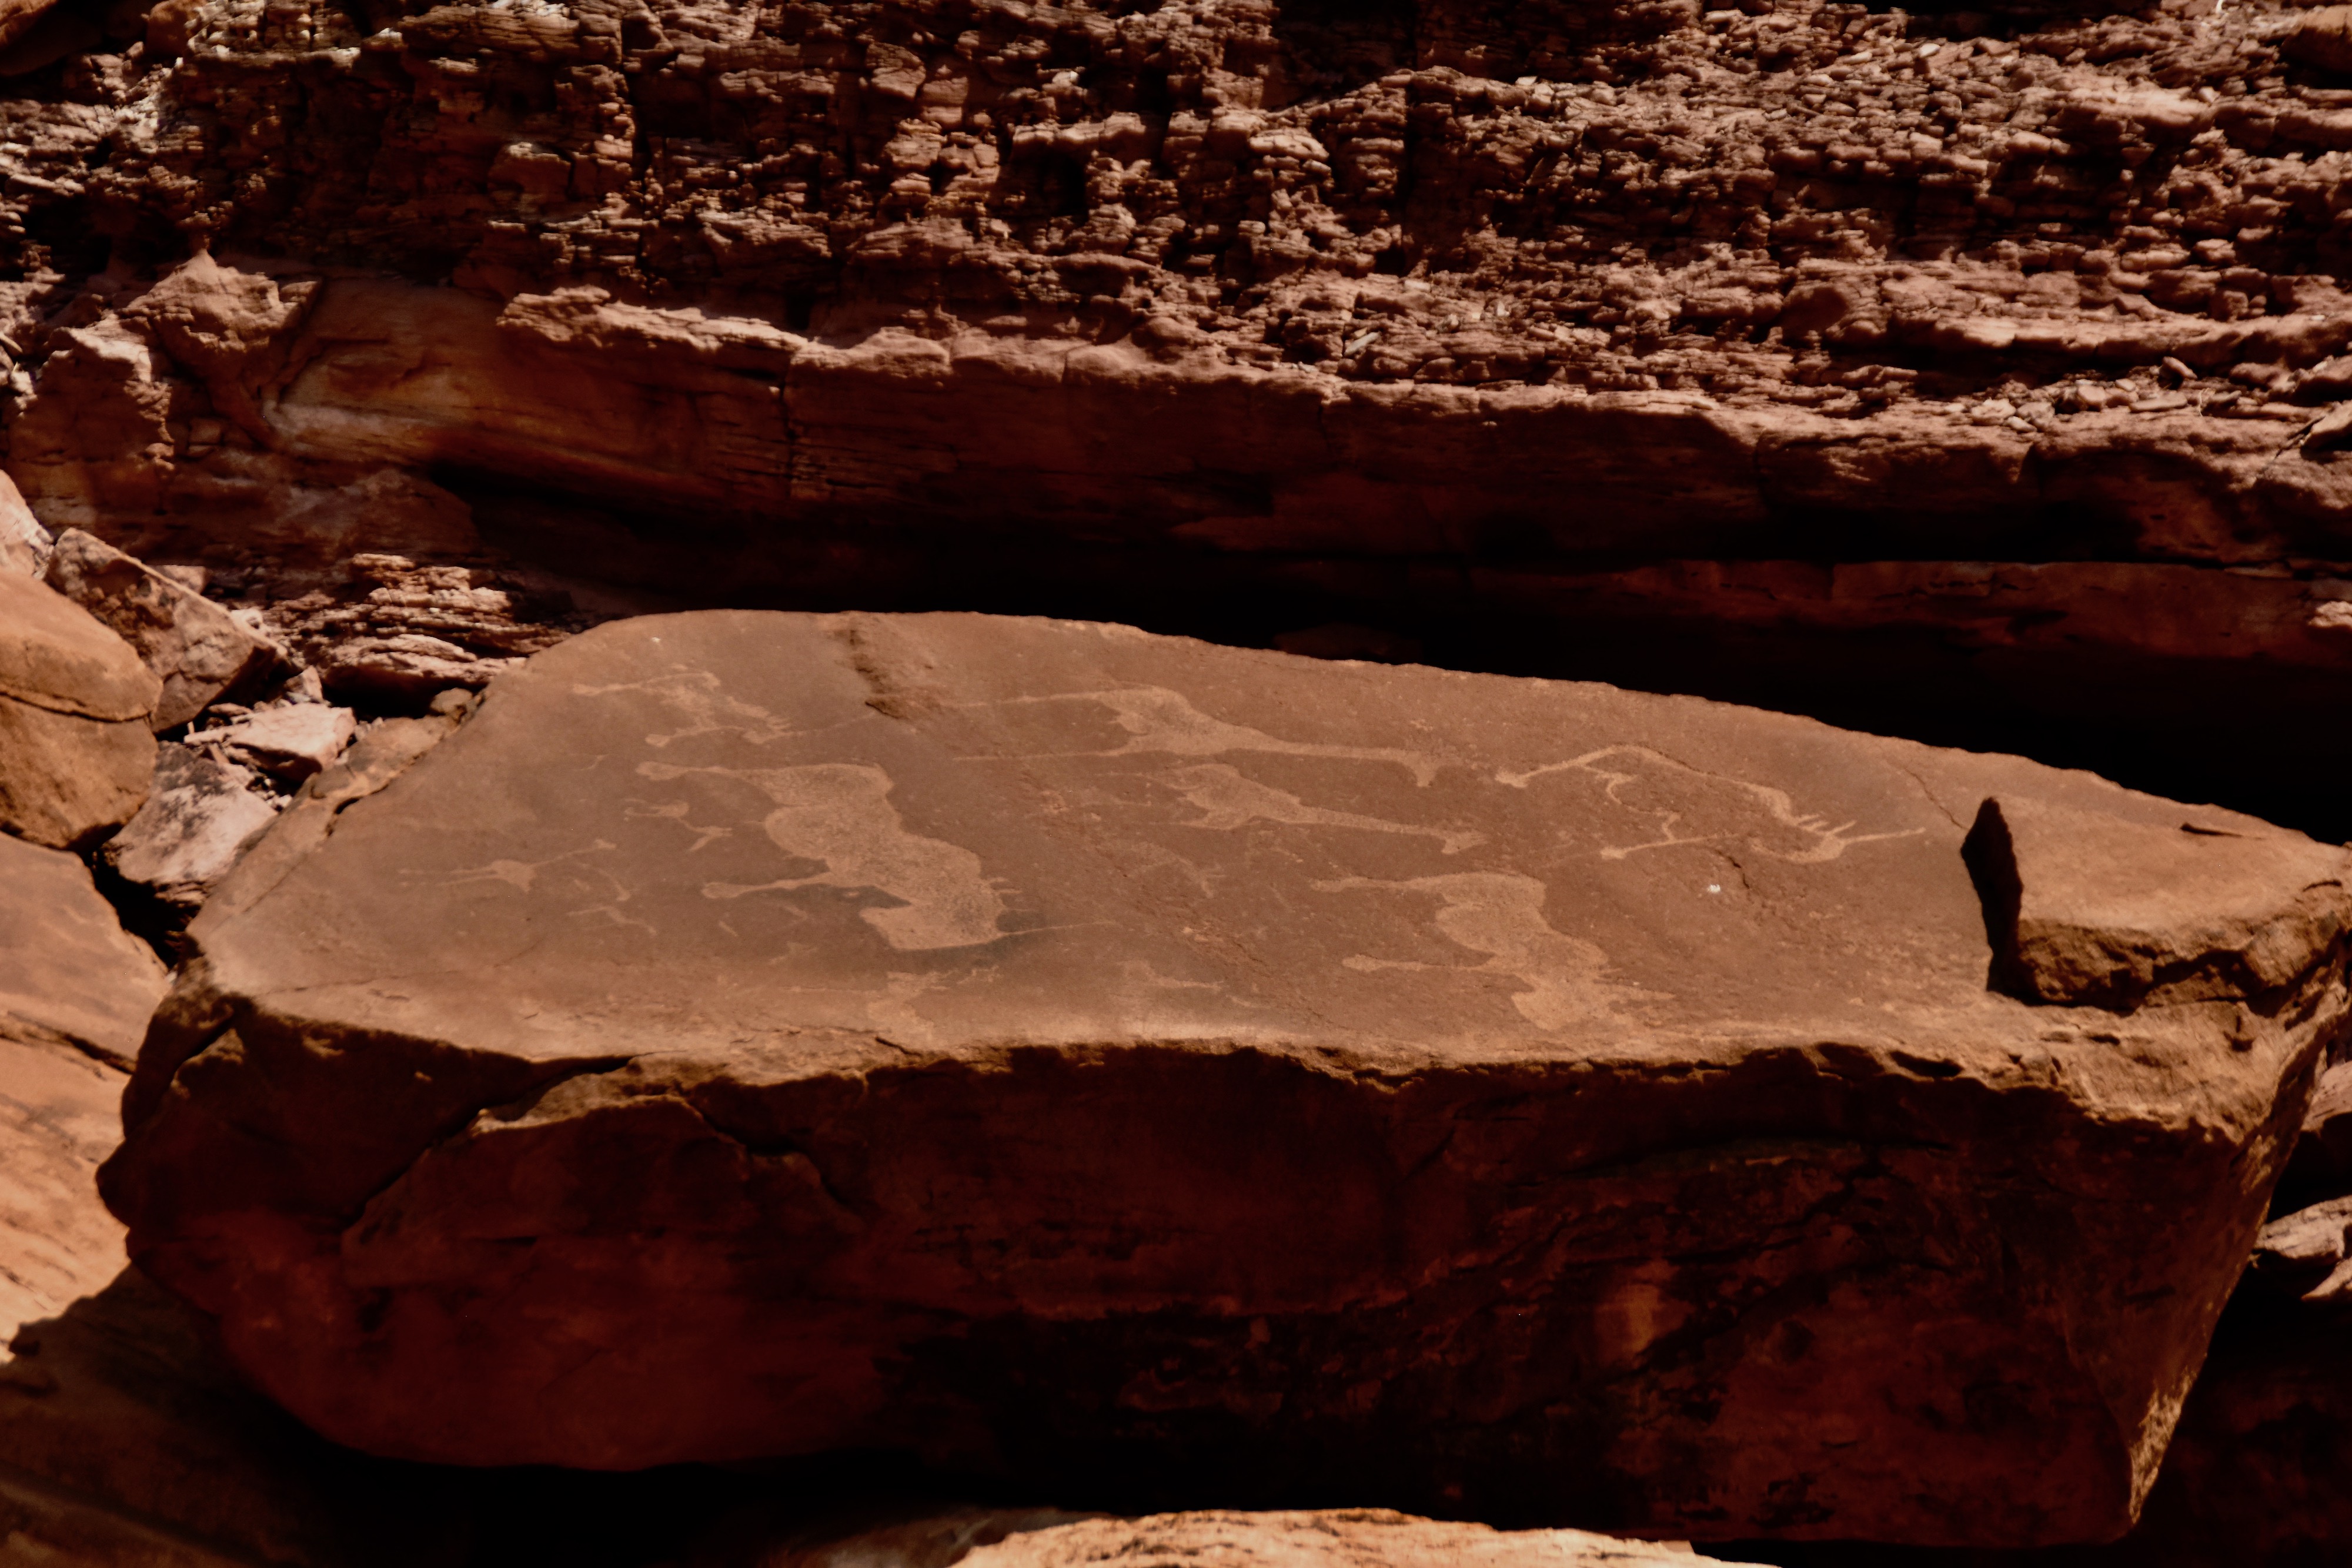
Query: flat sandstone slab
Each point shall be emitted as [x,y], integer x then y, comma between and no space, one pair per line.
[1052,1048]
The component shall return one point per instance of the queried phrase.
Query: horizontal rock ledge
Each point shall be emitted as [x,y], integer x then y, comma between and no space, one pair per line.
[1051,1049]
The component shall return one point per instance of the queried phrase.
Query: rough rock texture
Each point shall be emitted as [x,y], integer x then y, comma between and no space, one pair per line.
[913,1537]
[68,976]
[290,742]
[1049,1047]
[74,993]
[75,750]
[1370,1538]
[24,544]
[200,816]
[1443,308]
[2260,1469]
[200,652]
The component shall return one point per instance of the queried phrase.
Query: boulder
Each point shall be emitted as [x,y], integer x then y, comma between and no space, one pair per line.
[75,749]
[202,652]
[1055,1049]
[58,1121]
[199,816]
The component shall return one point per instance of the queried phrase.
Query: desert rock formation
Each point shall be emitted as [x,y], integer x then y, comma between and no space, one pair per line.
[1573,335]
[1046,1046]
[76,754]
[1980,378]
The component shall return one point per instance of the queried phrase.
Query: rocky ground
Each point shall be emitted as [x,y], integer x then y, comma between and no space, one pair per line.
[1980,378]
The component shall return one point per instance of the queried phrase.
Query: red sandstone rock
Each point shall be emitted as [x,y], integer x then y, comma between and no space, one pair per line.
[1045,1046]
[200,652]
[75,992]
[75,749]
[1388,286]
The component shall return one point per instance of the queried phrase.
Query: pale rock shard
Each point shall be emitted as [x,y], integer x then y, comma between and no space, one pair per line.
[2303,1254]
[1110,1055]
[199,818]
[290,742]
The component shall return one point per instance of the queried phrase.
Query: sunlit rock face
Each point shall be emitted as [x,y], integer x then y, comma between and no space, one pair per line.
[1046,1047]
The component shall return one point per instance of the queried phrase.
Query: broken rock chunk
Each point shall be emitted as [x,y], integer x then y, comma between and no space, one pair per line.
[76,752]
[290,743]
[2302,1253]
[198,818]
[405,669]
[2092,909]
[201,651]
[1048,1048]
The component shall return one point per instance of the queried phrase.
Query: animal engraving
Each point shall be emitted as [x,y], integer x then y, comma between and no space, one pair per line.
[1501,914]
[1688,805]
[840,813]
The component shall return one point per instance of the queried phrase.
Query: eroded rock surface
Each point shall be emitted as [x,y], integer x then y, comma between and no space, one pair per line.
[197,649]
[1366,1538]
[75,749]
[1047,1047]
[1636,319]
[74,993]
[198,819]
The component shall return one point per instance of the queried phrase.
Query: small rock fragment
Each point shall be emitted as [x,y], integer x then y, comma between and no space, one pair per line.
[201,814]
[406,668]
[202,651]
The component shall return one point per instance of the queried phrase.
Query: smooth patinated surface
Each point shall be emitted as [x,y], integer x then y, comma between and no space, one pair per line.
[1048,1046]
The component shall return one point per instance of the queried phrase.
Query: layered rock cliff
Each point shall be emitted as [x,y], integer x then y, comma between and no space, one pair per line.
[1535,337]
[1976,377]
